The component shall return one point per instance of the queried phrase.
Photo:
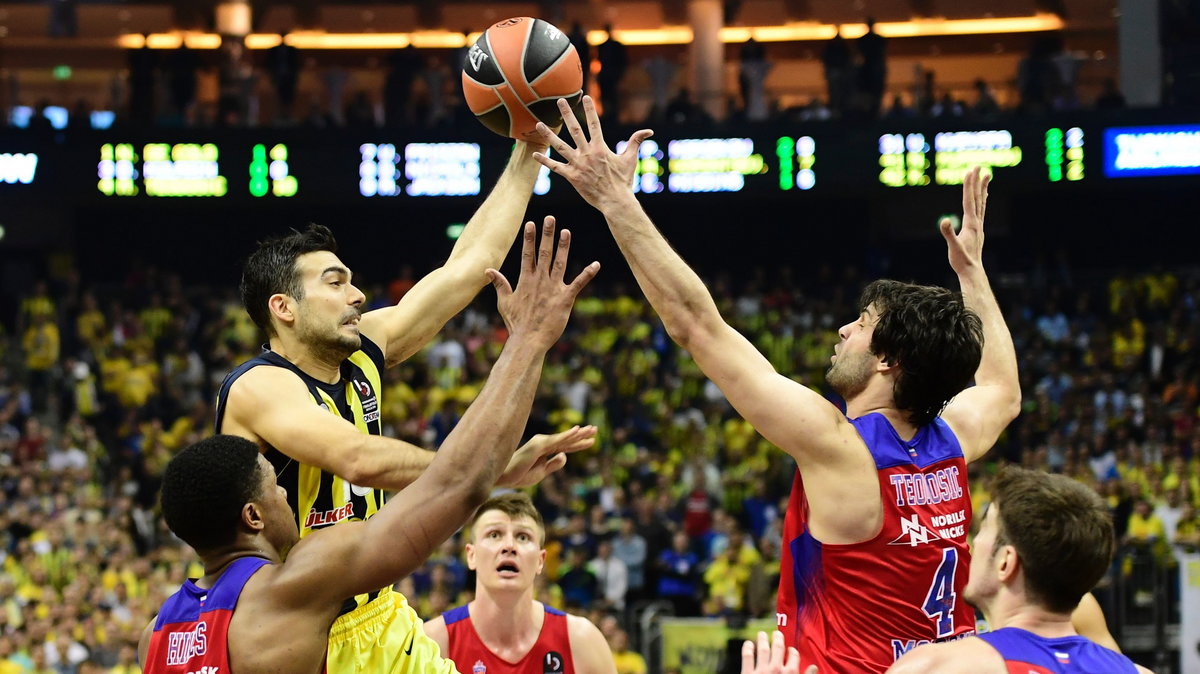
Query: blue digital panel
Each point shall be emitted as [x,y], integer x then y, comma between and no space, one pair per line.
[1151,151]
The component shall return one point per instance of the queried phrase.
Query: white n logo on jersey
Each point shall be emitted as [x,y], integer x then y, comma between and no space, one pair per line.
[913,533]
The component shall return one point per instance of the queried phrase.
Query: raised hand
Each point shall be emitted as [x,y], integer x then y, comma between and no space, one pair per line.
[769,659]
[538,309]
[597,173]
[966,246]
[545,454]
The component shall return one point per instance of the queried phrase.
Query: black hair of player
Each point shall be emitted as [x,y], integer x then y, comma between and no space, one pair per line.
[934,338]
[205,487]
[271,269]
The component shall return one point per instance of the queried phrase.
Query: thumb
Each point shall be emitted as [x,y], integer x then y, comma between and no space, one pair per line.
[947,228]
[636,140]
[555,463]
[503,289]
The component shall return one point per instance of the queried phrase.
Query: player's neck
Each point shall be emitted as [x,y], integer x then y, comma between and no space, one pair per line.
[322,367]
[504,618]
[1015,611]
[217,561]
[869,402]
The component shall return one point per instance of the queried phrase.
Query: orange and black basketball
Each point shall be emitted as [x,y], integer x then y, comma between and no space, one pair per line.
[516,72]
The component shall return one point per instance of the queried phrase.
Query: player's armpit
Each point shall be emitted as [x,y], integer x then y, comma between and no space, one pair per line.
[589,649]
[1088,620]
[978,415]
[788,414]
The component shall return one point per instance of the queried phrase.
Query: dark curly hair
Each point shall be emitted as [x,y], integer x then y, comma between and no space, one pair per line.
[205,486]
[272,269]
[934,338]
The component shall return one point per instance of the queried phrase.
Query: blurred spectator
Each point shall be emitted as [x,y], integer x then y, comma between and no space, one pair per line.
[872,73]
[662,73]
[678,576]
[985,101]
[403,65]
[181,66]
[578,38]
[612,577]
[41,343]
[577,581]
[630,548]
[626,661]
[283,67]
[839,72]
[752,79]
[613,62]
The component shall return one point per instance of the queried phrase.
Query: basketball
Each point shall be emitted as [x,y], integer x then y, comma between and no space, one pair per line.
[516,72]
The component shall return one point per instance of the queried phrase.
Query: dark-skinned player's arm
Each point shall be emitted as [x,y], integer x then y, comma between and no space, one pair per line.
[788,414]
[980,413]
[405,328]
[338,562]
[272,405]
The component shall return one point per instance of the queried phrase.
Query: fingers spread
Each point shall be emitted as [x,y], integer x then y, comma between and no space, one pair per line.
[589,272]
[571,123]
[777,650]
[547,244]
[528,245]
[503,289]
[560,258]
[593,120]
[550,138]
[747,656]
[549,163]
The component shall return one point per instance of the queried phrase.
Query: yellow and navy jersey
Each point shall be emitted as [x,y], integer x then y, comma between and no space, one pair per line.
[318,498]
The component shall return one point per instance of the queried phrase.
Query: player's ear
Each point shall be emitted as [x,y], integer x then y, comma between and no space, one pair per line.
[1008,563]
[541,561]
[252,517]
[470,556]
[282,307]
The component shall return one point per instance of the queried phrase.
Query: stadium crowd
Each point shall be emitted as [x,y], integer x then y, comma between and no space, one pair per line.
[680,500]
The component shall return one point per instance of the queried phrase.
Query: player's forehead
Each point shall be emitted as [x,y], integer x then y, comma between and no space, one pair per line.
[500,519]
[266,470]
[318,263]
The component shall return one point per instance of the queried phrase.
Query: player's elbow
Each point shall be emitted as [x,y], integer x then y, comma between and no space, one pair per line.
[1010,406]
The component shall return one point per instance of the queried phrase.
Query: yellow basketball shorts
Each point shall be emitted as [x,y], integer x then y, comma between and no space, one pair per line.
[383,636]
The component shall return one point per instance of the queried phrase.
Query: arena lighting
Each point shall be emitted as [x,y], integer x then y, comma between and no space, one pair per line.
[654,36]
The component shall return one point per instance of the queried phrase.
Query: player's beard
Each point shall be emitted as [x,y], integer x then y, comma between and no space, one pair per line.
[329,344]
[849,374]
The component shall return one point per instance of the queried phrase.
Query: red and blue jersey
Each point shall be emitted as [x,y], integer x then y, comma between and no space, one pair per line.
[191,631]
[1027,653]
[858,607]
[551,653]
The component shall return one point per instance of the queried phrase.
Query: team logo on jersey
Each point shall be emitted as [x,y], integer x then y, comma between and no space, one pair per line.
[369,404]
[552,663]
[479,667]
[183,646]
[363,388]
[913,533]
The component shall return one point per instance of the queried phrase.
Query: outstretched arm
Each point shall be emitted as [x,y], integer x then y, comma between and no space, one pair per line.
[405,328]
[789,415]
[271,405]
[979,414]
[358,557]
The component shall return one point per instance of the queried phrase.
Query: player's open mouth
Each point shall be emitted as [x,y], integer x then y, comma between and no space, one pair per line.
[508,570]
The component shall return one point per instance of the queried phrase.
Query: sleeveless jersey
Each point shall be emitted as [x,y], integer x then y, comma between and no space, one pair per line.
[191,631]
[858,607]
[320,499]
[551,653]
[1027,653]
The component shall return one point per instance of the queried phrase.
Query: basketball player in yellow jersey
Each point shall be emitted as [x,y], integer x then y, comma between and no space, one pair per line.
[311,401]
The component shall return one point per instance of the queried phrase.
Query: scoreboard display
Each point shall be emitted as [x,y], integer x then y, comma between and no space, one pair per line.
[773,161]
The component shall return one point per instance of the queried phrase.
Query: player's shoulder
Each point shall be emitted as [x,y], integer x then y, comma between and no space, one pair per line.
[263,383]
[963,656]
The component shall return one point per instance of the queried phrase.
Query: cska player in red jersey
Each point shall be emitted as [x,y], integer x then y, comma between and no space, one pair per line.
[875,551]
[504,630]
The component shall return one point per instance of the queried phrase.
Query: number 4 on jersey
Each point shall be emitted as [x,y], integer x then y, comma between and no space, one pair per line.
[939,603]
